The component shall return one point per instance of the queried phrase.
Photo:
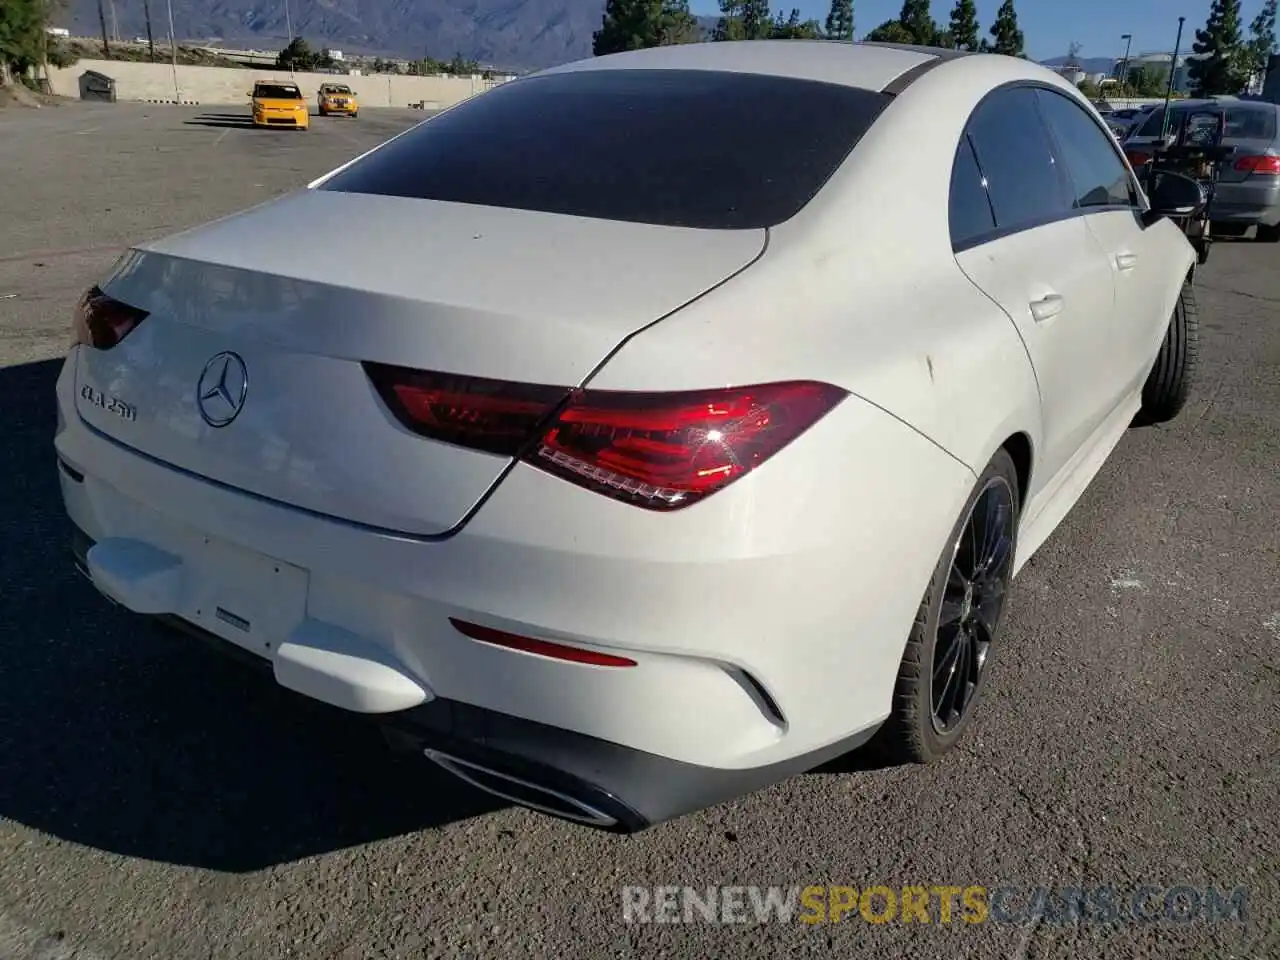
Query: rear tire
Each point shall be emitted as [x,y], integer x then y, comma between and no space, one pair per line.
[1268,234]
[1172,379]
[922,726]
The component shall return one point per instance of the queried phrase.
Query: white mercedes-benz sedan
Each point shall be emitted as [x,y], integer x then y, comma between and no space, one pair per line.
[678,423]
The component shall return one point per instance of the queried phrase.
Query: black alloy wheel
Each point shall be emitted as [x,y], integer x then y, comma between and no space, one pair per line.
[972,601]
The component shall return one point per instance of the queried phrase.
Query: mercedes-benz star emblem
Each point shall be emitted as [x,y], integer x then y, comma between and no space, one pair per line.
[221,391]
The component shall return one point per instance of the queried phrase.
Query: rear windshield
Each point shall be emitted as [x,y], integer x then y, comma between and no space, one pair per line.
[271,91]
[690,148]
[1243,122]
[334,89]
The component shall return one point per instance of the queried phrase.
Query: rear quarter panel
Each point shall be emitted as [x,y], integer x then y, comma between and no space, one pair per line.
[862,289]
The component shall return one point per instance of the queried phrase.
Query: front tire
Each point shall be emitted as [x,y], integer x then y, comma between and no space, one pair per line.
[1170,383]
[947,658]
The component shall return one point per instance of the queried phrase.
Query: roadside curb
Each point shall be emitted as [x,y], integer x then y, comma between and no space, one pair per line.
[181,103]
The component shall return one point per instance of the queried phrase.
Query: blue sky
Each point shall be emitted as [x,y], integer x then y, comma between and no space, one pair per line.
[1049,25]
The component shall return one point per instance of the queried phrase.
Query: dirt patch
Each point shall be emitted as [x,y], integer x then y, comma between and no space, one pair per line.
[141,53]
[20,96]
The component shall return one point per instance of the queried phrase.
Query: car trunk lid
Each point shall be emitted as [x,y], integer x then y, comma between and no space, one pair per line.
[457,288]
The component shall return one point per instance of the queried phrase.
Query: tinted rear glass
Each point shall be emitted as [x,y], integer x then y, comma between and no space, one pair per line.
[689,148]
[1243,122]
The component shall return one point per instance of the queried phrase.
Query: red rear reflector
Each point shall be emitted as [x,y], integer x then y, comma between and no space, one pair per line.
[1137,158]
[1264,165]
[543,648]
[101,321]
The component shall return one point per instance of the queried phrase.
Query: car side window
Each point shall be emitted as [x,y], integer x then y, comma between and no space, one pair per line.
[1097,175]
[969,209]
[1016,157]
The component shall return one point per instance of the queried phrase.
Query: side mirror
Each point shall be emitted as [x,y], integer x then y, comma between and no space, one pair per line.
[1174,195]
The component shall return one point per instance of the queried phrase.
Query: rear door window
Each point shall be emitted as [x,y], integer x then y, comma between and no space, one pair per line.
[1251,123]
[1015,154]
[688,148]
[1097,175]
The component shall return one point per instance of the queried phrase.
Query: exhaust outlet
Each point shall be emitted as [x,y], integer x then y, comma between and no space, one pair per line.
[521,792]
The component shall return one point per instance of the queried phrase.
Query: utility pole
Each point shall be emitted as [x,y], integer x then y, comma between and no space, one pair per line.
[151,42]
[102,22]
[288,25]
[173,53]
[1124,64]
[1173,69]
[115,24]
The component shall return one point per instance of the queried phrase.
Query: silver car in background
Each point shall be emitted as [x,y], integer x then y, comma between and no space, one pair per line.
[1248,186]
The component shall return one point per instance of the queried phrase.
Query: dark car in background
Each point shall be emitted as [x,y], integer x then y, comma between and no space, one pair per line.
[1248,186]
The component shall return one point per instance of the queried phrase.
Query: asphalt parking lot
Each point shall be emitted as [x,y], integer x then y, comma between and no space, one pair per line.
[156,801]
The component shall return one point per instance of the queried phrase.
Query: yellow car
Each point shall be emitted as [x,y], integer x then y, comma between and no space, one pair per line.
[279,104]
[337,98]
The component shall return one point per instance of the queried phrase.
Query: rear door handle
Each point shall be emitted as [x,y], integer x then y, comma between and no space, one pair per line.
[1126,261]
[1047,307]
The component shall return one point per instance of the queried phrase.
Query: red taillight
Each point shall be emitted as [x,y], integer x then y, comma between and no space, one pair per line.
[661,451]
[542,648]
[664,451]
[1137,158]
[101,321]
[496,416]
[1266,166]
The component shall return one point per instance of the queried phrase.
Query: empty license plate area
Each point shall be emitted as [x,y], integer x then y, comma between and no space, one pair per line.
[249,599]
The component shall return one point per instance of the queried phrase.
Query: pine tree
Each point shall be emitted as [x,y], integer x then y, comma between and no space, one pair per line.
[793,28]
[679,25]
[1262,37]
[918,21]
[636,24]
[1008,38]
[1222,67]
[891,31]
[744,20]
[964,25]
[840,20]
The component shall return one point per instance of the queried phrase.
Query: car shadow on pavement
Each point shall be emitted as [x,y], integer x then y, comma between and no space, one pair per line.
[124,739]
[230,120]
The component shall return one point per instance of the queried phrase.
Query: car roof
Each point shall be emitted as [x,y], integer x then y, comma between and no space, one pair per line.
[871,66]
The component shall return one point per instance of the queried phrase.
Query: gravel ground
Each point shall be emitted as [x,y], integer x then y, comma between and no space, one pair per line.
[158,802]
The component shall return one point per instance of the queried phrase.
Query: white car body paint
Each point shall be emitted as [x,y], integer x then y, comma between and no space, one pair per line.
[803,577]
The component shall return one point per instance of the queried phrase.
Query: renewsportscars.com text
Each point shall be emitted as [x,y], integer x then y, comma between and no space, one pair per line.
[938,904]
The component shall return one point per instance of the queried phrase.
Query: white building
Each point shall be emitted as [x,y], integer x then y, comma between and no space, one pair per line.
[1160,61]
[334,54]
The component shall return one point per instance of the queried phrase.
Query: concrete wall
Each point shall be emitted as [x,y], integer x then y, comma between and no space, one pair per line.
[226,85]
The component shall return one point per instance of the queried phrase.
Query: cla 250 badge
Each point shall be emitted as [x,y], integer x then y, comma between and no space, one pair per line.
[110,404]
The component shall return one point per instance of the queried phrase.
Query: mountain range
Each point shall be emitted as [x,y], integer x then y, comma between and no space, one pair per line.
[507,34]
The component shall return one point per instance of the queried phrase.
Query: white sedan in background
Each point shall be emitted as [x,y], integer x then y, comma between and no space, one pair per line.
[678,422]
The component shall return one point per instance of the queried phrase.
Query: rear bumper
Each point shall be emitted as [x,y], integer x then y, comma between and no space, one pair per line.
[764,640]
[559,772]
[1247,203]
